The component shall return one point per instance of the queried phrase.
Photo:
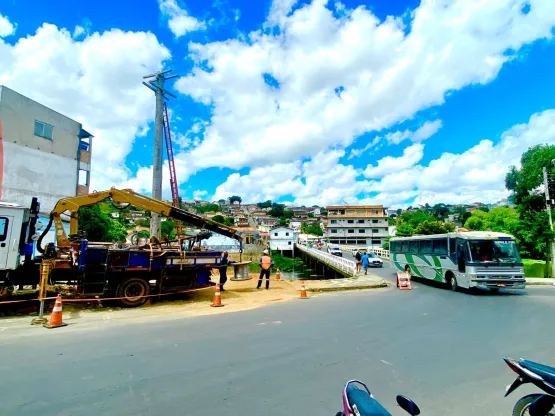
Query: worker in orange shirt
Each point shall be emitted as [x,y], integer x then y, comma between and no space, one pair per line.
[266,264]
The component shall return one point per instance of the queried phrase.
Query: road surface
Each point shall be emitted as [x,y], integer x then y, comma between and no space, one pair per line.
[442,349]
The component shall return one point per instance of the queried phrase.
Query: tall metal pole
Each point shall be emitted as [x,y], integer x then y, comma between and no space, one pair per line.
[157,85]
[548,208]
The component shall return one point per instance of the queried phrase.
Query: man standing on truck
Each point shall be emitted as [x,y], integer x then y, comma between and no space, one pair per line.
[266,263]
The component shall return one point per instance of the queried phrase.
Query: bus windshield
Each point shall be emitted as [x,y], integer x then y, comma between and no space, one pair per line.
[499,251]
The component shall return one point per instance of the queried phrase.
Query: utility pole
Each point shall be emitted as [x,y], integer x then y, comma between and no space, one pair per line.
[548,203]
[156,84]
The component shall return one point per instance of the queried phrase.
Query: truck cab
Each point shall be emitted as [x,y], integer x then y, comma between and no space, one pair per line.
[14,221]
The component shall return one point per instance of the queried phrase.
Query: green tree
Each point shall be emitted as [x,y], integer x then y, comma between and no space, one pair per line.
[98,226]
[167,229]
[219,218]
[209,208]
[284,222]
[266,204]
[235,198]
[499,219]
[143,222]
[287,213]
[311,229]
[229,221]
[310,215]
[221,201]
[534,234]
[428,227]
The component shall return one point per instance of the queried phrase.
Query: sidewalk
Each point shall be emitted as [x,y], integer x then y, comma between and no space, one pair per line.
[539,281]
[238,296]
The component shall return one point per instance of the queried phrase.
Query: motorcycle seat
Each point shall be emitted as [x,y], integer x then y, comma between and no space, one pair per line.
[544,371]
[366,405]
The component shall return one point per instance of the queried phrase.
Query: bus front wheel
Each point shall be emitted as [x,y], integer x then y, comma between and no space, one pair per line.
[452,280]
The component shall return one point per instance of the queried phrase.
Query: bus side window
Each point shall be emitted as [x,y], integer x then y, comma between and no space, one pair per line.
[405,246]
[414,246]
[452,246]
[440,247]
[426,246]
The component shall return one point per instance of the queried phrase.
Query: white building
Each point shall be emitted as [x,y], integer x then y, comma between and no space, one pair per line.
[44,153]
[362,225]
[295,225]
[282,238]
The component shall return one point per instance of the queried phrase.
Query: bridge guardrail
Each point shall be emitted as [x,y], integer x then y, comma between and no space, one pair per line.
[345,265]
[380,252]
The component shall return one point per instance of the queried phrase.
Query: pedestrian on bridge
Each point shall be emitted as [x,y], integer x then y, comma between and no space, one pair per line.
[266,264]
[365,262]
[358,258]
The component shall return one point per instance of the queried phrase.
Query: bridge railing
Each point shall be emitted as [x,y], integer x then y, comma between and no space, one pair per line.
[346,266]
[380,252]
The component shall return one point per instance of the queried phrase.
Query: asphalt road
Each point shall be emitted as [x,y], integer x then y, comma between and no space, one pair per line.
[442,349]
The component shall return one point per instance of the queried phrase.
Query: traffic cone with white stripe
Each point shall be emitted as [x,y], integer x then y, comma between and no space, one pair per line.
[56,317]
[278,275]
[217,302]
[303,291]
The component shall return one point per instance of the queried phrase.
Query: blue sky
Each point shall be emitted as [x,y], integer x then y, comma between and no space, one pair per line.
[436,99]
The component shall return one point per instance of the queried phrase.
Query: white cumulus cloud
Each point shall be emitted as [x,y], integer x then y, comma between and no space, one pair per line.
[341,74]
[7,28]
[411,156]
[179,21]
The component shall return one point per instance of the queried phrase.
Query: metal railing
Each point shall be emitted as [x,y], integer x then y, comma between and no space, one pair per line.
[346,266]
[380,252]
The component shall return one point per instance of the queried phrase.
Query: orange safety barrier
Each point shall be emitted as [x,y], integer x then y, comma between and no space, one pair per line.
[303,291]
[217,302]
[56,320]
[403,281]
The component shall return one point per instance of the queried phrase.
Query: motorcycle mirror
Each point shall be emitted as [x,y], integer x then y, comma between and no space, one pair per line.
[542,406]
[408,405]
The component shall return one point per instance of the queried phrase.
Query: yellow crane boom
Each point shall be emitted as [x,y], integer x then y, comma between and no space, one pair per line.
[126,196]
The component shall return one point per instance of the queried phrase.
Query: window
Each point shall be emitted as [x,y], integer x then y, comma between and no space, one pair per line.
[275,234]
[43,130]
[3,228]
[350,211]
[377,242]
[333,221]
[426,246]
[360,221]
[350,221]
[440,246]
[375,211]
[361,231]
[84,176]
[375,221]
[286,234]
[404,246]
[375,230]
[341,212]
[351,231]
[394,246]
[414,246]
[334,231]
[289,242]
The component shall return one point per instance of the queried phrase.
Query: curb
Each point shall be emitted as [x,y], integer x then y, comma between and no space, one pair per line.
[382,285]
[539,283]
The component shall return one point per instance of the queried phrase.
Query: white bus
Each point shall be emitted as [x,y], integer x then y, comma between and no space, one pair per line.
[477,259]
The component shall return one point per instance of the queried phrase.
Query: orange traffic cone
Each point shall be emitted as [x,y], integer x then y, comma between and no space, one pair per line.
[278,275]
[217,302]
[303,291]
[56,317]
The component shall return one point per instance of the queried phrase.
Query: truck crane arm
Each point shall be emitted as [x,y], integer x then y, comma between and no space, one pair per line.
[124,196]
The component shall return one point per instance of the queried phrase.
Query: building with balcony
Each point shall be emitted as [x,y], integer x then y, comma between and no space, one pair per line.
[361,225]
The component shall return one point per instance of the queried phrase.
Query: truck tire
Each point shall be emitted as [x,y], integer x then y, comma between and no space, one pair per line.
[133,292]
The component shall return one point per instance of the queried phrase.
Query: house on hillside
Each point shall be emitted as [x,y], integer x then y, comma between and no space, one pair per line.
[282,238]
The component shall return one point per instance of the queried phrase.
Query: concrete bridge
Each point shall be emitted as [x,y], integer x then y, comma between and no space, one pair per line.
[329,265]
[333,266]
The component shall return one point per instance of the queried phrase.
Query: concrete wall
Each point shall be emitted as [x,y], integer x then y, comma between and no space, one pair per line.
[35,166]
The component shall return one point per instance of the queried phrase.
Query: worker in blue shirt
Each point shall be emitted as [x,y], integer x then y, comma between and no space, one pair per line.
[224,262]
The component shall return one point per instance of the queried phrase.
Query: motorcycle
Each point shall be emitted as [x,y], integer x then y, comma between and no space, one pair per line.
[359,401]
[543,377]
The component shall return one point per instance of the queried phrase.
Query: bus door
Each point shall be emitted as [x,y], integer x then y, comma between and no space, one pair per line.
[462,254]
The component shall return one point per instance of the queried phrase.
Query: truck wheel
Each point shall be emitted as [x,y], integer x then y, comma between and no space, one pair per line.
[133,292]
